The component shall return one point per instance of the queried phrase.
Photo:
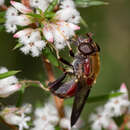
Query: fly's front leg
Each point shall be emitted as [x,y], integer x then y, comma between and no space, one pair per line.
[60,58]
[70,49]
[53,86]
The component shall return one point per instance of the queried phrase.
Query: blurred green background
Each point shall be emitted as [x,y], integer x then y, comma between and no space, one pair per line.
[111,27]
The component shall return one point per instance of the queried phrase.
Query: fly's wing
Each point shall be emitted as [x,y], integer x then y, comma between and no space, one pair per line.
[81,95]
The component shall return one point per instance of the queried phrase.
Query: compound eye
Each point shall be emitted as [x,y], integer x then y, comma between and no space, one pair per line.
[86,49]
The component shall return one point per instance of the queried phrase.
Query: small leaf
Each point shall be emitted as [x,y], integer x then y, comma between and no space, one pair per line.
[34,15]
[57,127]
[51,7]
[89,3]
[49,54]
[7,74]
[40,11]
[83,22]
[18,45]
[50,15]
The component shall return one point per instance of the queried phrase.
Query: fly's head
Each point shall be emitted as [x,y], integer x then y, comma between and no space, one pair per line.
[87,46]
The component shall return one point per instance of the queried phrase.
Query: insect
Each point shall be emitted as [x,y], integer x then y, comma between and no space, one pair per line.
[84,71]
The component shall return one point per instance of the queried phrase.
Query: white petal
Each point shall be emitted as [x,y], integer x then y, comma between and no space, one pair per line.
[123,88]
[11,11]
[25,49]
[47,32]
[10,27]
[23,32]
[73,26]
[23,9]
[21,20]
[8,90]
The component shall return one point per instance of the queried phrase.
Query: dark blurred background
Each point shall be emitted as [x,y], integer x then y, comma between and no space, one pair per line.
[111,27]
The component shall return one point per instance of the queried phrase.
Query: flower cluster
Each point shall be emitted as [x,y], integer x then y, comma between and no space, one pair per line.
[16,116]
[8,85]
[40,26]
[115,107]
[47,118]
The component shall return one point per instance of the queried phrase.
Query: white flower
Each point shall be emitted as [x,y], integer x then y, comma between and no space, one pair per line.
[57,29]
[8,85]
[42,125]
[21,20]
[11,11]
[124,90]
[10,27]
[24,32]
[101,119]
[32,43]
[70,15]
[15,116]
[47,32]
[26,108]
[118,105]
[21,121]
[1,2]
[59,33]
[48,114]
[65,122]
[20,7]
[42,4]
[67,4]
[46,118]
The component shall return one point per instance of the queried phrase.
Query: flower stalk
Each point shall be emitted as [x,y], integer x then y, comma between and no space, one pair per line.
[58,102]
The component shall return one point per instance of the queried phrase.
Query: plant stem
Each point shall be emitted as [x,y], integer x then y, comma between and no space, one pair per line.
[58,102]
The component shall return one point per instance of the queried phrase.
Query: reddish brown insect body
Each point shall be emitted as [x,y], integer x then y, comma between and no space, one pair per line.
[85,70]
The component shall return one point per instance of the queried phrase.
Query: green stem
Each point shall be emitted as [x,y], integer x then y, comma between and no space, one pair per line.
[51,7]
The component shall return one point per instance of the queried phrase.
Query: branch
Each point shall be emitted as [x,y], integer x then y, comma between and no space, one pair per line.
[58,101]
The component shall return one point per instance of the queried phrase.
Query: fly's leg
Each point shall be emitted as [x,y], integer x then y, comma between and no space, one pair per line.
[60,58]
[70,49]
[53,86]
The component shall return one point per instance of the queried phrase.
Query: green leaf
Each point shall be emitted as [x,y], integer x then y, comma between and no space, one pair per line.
[39,10]
[18,45]
[7,74]
[57,127]
[97,98]
[34,15]
[51,7]
[49,54]
[50,15]
[83,22]
[89,3]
